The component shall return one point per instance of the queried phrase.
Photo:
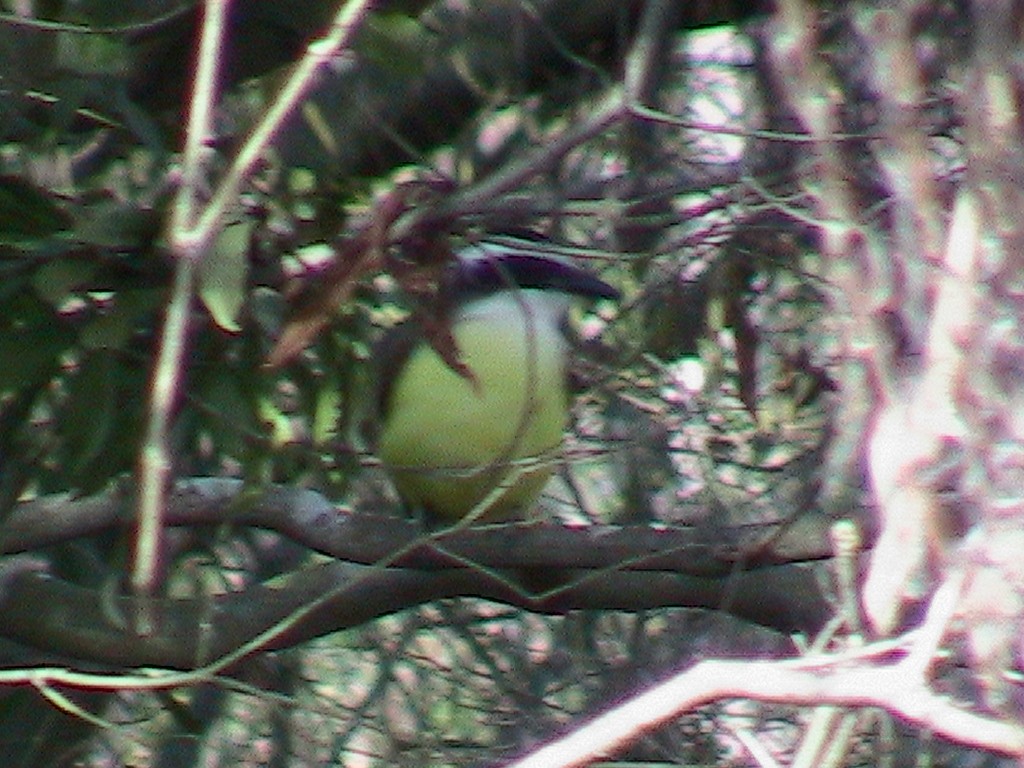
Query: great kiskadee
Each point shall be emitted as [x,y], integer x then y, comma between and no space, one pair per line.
[483,441]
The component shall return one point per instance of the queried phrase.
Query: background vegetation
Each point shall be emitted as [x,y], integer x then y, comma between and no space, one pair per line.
[787,525]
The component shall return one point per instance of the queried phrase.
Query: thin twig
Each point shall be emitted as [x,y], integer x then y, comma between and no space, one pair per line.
[154,456]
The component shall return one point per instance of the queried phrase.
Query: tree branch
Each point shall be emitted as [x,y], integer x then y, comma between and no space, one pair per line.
[307,518]
[58,617]
[545,568]
[801,682]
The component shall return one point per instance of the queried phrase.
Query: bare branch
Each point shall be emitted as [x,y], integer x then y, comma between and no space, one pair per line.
[72,621]
[309,519]
[799,682]
[154,463]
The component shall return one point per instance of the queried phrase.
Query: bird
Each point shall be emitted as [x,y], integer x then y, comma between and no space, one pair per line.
[477,438]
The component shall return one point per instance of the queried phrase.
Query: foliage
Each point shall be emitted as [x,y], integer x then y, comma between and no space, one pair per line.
[812,213]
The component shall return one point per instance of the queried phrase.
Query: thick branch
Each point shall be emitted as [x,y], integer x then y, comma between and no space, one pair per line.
[307,518]
[90,624]
[538,567]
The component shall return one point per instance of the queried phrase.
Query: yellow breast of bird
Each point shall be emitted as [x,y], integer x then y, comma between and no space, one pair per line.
[449,441]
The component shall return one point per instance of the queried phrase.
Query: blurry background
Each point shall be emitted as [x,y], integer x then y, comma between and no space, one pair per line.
[812,211]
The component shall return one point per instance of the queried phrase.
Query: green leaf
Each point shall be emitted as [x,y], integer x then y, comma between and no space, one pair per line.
[115,327]
[93,54]
[224,273]
[29,357]
[230,417]
[56,280]
[87,421]
[27,213]
[100,420]
[116,225]
[396,42]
